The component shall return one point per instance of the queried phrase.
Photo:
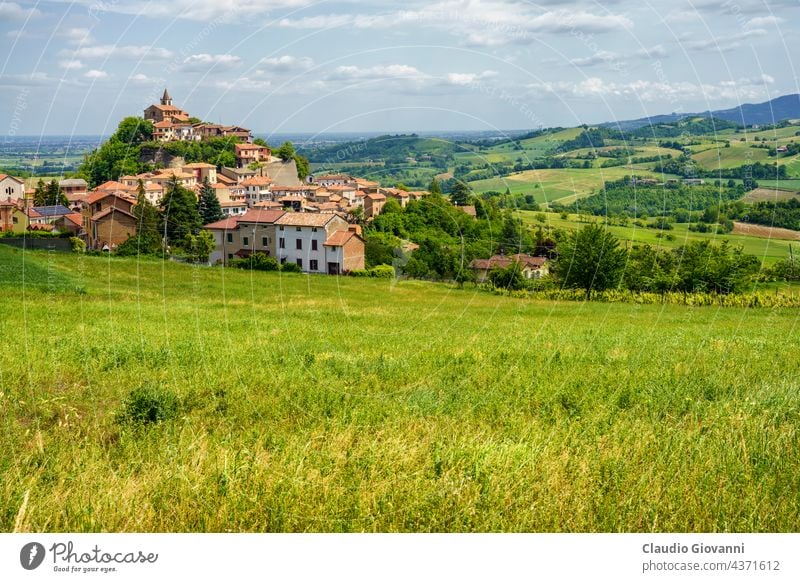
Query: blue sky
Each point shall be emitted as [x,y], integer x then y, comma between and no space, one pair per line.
[78,67]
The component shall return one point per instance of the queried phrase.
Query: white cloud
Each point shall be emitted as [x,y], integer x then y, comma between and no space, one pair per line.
[723,43]
[469,78]
[655,90]
[124,52]
[95,74]
[32,80]
[69,65]
[349,73]
[197,10]
[204,62]
[598,58]
[763,22]
[244,84]
[142,79]
[482,23]
[13,11]
[286,63]
[77,36]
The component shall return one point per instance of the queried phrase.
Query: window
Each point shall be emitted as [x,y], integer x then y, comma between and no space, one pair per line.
[230,256]
[300,263]
[313,244]
[298,229]
[314,265]
[283,259]
[314,229]
[230,237]
[280,228]
[264,241]
[245,241]
[282,243]
[14,219]
[298,244]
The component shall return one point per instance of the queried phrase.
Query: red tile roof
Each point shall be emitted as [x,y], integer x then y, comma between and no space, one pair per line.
[103,213]
[229,223]
[261,216]
[75,218]
[340,238]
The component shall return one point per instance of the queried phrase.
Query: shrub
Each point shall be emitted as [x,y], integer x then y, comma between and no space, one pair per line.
[149,404]
[382,272]
[359,273]
[78,246]
[291,268]
[256,262]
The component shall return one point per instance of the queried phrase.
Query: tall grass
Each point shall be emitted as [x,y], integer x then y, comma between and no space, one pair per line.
[323,404]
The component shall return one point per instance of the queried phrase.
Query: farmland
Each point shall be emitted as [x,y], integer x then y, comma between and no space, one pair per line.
[327,404]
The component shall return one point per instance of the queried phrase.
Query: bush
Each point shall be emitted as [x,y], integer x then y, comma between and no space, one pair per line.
[256,262]
[382,272]
[359,273]
[149,404]
[291,268]
[78,246]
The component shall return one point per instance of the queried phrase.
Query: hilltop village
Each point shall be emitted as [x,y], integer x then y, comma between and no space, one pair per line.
[315,223]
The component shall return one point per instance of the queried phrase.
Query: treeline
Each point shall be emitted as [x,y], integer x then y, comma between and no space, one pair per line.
[592,260]
[448,238]
[782,214]
[623,198]
[685,166]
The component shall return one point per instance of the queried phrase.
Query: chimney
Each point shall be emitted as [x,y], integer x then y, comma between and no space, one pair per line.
[356,228]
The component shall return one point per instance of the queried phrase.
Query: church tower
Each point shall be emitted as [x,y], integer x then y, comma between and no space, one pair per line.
[166,99]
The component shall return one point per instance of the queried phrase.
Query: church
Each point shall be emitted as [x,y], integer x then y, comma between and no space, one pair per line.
[166,111]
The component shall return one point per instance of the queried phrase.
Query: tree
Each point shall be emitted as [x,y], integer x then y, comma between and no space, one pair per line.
[460,194]
[200,246]
[590,259]
[40,194]
[53,195]
[208,205]
[286,151]
[147,240]
[134,130]
[510,278]
[435,188]
[179,213]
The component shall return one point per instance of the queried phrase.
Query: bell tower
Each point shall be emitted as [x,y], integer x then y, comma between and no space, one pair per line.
[166,99]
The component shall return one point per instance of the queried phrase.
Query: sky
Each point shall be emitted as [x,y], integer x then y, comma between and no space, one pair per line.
[277,66]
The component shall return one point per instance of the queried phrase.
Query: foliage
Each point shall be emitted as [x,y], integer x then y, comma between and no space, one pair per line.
[149,404]
[119,155]
[590,259]
[379,272]
[461,194]
[288,267]
[256,262]
[510,278]
[200,246]
[78,245]
[180,216]
[286,151]
[208,206]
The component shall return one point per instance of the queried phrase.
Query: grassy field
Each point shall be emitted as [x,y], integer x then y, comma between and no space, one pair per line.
[769,250]
[327,404]
[564,185]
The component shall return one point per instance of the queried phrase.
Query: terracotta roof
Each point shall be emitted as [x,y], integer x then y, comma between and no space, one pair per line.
[246,146]
[502,262]
[340,188]
[102,214]
[199,165]
[340,238]
[75,218]
[40,227]
[112,185]
[33,214]
[375,196]
[229,223]
[257,181]
[304,219]
[261,216]
[97,196]
[232,204]
[267,204]
[4,176]
[332,177]
[224,179]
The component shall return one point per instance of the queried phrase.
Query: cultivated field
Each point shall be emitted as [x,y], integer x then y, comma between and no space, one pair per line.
[769,195]
[326,404]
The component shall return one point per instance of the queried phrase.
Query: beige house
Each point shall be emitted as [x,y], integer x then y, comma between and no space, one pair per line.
[532,267]
[11,188]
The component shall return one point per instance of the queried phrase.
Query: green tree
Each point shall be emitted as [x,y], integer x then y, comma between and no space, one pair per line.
[134,130]
[286,151]
[53,195]
[590,259]
[180,216]
[200,246]
[461,194]
[435,188]
[208,205]
[303,167]
[510,278]
[40,194]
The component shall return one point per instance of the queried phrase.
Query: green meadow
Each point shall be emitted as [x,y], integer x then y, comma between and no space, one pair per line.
[768,250]
[315,403]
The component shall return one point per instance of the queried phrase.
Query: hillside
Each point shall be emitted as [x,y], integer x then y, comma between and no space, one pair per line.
[779,109]
[302,403]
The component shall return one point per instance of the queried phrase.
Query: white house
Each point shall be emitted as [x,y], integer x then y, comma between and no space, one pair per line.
[11,188]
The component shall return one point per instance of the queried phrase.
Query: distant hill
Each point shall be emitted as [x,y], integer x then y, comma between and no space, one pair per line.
[778,109]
